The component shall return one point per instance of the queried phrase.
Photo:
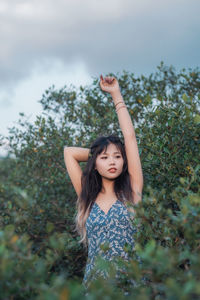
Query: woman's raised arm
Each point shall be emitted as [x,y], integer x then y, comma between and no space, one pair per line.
[110,85]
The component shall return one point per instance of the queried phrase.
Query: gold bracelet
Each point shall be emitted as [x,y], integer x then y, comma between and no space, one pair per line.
[120,107]
[118,103]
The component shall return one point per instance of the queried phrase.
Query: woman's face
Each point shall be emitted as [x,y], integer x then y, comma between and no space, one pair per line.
[107,159]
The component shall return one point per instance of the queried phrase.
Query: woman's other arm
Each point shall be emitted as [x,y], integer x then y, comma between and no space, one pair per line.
[72,157]
[79,153]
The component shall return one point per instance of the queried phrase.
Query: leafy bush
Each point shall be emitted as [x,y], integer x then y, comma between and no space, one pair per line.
[40,254]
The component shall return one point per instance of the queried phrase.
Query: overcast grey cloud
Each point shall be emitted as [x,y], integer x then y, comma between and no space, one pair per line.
[106,35]
[44,42]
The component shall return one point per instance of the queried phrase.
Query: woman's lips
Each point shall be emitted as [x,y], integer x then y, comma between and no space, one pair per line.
[112,170]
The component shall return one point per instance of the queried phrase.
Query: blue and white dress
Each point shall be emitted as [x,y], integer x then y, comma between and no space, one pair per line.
[113,229]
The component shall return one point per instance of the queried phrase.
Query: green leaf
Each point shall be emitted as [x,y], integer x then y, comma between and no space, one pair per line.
[197,119]
[49,227]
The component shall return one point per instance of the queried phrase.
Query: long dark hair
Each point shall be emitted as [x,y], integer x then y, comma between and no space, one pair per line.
[92,182]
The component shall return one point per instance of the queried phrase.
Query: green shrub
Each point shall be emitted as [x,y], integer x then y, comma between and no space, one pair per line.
[37,200]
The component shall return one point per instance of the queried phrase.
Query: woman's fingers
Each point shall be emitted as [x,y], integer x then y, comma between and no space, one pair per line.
[106,82]
[110,81]
[107,78]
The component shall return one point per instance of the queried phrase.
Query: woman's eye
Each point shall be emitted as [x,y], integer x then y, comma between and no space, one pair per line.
[115,157]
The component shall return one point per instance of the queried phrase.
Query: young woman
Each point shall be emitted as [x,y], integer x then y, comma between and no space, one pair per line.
[111,179]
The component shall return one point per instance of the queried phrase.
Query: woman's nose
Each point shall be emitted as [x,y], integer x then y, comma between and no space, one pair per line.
[112,160]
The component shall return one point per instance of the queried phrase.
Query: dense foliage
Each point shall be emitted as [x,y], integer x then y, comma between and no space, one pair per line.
[40,257]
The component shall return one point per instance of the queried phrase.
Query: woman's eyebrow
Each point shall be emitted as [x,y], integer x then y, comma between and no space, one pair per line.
[113,153]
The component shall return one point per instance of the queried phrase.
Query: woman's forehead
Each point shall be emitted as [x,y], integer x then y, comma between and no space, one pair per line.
[111,148]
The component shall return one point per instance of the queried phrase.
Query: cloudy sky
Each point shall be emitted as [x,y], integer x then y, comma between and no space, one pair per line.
[67,42]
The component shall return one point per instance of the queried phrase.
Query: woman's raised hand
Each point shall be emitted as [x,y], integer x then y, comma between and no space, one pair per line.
[109,84]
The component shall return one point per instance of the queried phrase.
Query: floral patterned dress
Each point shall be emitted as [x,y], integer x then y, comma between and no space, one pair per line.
[114,229]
